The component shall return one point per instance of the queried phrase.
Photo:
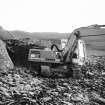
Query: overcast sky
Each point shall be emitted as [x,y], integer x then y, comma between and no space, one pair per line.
[50,15]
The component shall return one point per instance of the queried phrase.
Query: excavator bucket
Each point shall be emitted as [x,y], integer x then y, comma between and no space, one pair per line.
[94,37]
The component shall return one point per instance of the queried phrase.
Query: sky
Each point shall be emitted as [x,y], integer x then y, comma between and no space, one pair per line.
[50,15]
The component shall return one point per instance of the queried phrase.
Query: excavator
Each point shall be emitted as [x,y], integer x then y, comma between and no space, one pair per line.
[67,61]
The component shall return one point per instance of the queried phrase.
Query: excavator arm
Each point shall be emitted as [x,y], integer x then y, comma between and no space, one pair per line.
[69,49]
[67,52]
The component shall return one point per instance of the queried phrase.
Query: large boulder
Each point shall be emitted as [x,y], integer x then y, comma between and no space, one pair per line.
[5,60]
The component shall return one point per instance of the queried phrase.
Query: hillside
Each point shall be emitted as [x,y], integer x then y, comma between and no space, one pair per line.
[40,35]
[17,34]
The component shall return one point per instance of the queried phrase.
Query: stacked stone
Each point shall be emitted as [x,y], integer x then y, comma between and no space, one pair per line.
[5,60]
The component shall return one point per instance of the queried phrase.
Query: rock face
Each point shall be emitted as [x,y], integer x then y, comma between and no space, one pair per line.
[5,60]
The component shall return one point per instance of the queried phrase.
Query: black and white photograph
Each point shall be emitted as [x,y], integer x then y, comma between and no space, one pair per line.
[52,52]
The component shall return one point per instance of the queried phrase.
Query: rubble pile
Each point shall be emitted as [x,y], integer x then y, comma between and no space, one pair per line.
[19,86]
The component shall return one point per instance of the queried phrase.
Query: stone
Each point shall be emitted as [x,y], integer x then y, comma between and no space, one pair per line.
[67,103]
[5,60]
[45,99]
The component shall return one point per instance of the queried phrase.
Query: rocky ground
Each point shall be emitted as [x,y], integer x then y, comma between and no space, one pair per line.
[21,86]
